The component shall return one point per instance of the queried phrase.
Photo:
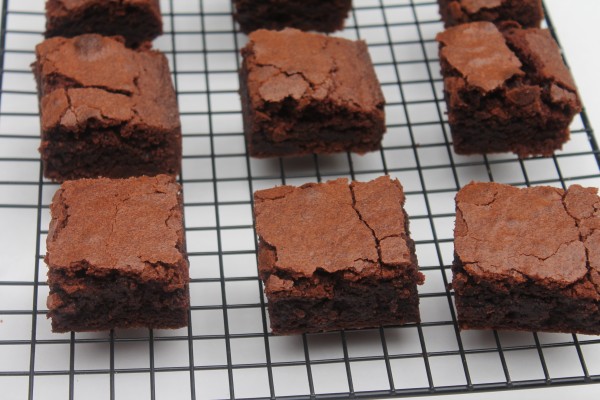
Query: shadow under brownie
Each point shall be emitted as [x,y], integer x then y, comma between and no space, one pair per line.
[336,255]
[116,255]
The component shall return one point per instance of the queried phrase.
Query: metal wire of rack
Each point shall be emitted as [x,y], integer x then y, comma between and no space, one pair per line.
[228,351]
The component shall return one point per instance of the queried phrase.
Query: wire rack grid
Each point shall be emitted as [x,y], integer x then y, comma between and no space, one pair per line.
[227,351]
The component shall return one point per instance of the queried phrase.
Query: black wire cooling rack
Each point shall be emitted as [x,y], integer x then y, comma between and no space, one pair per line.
[228,351]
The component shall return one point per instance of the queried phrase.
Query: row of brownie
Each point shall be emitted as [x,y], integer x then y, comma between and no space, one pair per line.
[329,16]
[331,256]
[524,259]
[115,249]
[107,103]
[139,21]
[335,255]
[507,89]
[110,110]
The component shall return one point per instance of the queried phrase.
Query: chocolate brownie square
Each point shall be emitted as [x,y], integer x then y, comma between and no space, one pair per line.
[106,110]
[528,13]
[306,93]
[307,15]
[336,255]
[116,255]
[137,21]
[527,259]
[506,90]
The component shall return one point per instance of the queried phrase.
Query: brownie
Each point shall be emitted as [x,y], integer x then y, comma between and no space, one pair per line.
[528,13]
[307,15]
[527,259]
[336,255]
[106,110]
[506,90]
[306,93]
[137,21]
[116,255]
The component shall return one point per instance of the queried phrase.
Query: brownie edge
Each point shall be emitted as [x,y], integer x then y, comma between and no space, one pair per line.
[116,255]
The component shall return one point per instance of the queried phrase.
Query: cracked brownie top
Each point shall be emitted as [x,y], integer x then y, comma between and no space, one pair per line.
[542,234]
[95,81]
[134,225]
[488,58]
[357,229]
[308,67]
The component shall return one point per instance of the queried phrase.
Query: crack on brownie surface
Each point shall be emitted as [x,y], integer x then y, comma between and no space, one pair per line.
[55,81]
[392,255]
[375,238]
[54,72]
[588,223]
[115,207]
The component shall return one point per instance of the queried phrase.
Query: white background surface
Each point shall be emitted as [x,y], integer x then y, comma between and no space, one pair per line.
[577,25]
